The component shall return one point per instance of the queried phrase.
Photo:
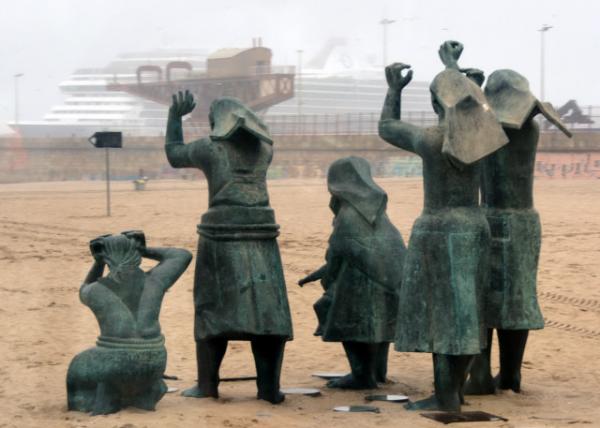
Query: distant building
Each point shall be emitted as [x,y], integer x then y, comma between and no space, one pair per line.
[334,84]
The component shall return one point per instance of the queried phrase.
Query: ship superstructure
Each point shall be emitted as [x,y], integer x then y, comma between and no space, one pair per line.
[131,94]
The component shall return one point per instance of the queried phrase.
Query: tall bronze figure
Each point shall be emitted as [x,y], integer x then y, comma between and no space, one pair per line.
[239,288]
[361,276]
[507,195]
[446,267]
[125,367]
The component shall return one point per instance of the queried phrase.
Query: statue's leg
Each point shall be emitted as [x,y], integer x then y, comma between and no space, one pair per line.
[80,395]
[362,358]
[381,363]
[268,357]
[449,372]
[480,380]
[81,384]
[107,399]
[512,348]
[151,395]
[209,355]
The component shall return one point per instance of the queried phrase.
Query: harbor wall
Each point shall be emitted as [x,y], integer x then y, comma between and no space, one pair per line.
[30,160]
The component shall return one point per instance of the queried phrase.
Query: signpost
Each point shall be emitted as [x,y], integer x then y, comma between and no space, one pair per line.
[107,140]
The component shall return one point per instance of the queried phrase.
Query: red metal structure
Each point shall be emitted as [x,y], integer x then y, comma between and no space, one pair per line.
[246,74]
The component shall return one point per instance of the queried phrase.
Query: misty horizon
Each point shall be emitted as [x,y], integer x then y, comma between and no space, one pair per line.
[48,41]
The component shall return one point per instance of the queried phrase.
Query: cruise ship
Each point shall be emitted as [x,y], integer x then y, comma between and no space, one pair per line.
[89,106]
[334,85]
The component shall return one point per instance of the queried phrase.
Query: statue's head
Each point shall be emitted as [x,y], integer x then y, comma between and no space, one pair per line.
[349,181]
[471,130]
[511,99]
[119,252]
[229,117]
[450,88]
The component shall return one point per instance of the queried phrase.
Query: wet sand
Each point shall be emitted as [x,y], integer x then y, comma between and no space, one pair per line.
[45,229]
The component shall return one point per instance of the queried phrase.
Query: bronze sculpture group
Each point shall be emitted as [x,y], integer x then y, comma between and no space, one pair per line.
[470,266]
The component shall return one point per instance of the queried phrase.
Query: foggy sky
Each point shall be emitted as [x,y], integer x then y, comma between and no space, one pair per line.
[48,40]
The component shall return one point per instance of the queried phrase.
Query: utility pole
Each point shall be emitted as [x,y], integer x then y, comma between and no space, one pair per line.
[385,22]
[16,76]
[299,86]
[543,31]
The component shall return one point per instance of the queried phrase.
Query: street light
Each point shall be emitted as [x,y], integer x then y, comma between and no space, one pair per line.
[542,31]
[16,76]
[385,22]
[299,84]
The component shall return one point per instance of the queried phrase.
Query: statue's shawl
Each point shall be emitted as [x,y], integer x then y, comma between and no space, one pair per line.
[471,128]
[511,99]
[350,180]
[230,116]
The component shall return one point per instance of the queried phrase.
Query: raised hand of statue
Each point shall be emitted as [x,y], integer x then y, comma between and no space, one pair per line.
[450,52]
[395,77]
[475,74]
[183,103]
[139,238]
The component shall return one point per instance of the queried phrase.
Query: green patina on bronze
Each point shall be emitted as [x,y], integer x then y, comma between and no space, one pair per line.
[507,197]
[126,366]
[362,274]
[239,287]
[446,267]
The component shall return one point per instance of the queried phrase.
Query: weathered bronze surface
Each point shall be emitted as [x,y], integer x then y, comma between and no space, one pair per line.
[446,267]
[507,196]
[239,288]
[362,274]
[126,366]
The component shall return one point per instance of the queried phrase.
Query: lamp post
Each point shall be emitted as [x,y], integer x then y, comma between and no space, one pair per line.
[385,22]
[16,77]
[299,86]
[543,31]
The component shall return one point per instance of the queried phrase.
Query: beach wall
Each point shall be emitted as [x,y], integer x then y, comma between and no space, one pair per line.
[29,160]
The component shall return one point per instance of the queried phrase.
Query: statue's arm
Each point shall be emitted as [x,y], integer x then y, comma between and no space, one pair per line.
[391,128]
[95,273]
[172,262]
[97,269]
[179,154]
[315,276]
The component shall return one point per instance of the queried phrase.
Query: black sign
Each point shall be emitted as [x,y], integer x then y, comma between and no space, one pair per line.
[107,139]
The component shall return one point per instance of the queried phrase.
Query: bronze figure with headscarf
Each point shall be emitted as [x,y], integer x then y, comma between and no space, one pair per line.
[239,287]
[362,274]
[507,195]
[446,267]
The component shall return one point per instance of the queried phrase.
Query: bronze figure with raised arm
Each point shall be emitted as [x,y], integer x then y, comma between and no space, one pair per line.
[507,196]
[239,287]
[446,267]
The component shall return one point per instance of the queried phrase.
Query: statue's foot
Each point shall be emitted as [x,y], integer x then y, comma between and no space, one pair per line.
[431,403]
[197,392]
[475,386]
[351,382]
[273,398]
[508,382]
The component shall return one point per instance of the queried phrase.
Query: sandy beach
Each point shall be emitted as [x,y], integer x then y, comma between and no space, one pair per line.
[45,229]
